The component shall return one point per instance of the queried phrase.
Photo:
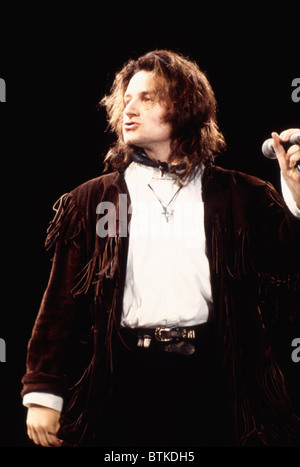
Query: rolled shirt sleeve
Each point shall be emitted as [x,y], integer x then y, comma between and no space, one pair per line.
[288,198]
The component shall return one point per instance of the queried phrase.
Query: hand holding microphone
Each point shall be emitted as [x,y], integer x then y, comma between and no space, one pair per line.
[269,152]
[286,149]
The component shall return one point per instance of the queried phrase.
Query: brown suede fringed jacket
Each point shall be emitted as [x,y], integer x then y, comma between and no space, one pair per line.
[254,254]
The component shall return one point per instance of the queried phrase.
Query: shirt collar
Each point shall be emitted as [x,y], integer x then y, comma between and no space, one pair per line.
[146,173]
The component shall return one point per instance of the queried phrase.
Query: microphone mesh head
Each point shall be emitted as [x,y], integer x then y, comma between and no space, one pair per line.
[268,150]
[295,138]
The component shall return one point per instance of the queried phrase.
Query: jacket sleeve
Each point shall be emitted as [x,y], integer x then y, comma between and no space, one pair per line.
[276,259]
[62,324]
[276,239]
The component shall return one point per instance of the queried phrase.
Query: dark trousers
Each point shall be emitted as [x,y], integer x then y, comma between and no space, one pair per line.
[166,399]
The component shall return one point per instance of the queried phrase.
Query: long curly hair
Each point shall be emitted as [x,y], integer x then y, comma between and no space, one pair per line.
[190,108]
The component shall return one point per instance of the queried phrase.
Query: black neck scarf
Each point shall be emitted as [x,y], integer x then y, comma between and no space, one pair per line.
[142,158]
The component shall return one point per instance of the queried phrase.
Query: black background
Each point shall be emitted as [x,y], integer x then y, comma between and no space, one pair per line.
[58,60]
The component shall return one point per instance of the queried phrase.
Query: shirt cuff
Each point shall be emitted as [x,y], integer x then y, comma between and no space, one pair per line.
[288,198]
[44,399]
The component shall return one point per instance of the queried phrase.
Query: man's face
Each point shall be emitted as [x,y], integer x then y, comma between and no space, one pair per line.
[143,124]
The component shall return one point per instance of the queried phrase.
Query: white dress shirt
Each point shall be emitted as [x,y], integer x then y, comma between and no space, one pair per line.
[168,277]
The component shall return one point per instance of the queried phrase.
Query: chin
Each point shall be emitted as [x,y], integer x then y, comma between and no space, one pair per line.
[132,141]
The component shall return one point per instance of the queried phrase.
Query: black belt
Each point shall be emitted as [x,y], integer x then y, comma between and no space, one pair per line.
[171,339]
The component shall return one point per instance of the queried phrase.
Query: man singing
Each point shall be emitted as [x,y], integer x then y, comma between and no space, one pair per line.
[169,277]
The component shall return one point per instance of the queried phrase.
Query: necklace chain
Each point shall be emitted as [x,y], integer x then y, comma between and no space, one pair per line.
[167,211]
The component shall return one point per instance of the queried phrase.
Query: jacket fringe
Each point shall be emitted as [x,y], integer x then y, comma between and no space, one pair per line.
[269,399]
[103,265]
[74,424]
[100,269]
[62,225]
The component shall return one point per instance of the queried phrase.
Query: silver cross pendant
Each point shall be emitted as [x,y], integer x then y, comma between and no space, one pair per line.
[168,213]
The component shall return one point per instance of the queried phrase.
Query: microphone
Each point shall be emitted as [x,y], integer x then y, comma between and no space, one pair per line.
[268,149]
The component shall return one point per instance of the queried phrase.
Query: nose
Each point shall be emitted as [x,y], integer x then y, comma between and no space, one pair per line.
[131,109]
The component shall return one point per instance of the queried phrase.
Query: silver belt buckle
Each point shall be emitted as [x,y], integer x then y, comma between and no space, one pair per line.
[163,334]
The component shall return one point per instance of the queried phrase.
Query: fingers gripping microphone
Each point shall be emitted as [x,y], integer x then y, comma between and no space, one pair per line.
[268,150]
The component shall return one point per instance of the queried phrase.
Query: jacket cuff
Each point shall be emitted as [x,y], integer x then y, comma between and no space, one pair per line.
[43,383]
